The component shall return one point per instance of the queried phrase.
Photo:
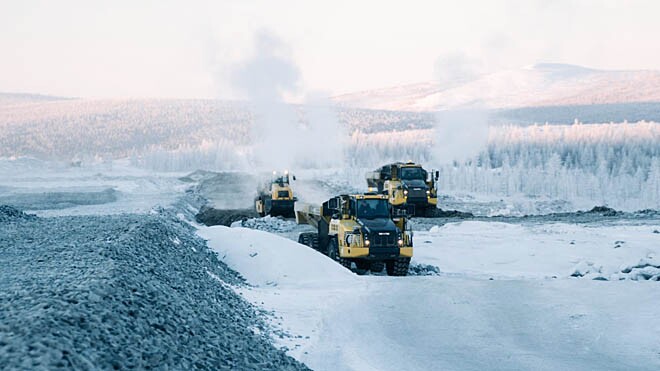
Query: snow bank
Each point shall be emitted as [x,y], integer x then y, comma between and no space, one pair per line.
[331,319]
[265,259]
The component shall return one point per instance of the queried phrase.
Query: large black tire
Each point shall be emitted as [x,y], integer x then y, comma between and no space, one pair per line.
[267,205]
[429,212]
[303,238]
[333,253]
[397,267]
[362,266]
[310,239]
[314,241]
[377,267]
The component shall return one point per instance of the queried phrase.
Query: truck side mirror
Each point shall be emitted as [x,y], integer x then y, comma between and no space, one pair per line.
[437,175]
[294,177]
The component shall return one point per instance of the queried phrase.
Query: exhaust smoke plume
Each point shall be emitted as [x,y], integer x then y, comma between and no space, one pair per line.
[284,135]
[460,134]
[265,79]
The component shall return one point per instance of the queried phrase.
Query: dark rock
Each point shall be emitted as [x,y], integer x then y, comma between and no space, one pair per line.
[603,210]
[10,213]
[423,270]
[439,213]
[210,216]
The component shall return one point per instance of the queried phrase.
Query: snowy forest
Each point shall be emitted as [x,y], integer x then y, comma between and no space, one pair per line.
[615,164]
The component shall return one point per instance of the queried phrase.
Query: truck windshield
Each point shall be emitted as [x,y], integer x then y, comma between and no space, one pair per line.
[372,209]
[411,173]
[281,181]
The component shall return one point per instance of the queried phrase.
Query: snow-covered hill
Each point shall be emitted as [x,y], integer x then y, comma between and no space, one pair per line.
[544,84]
[64,128]
[7,99]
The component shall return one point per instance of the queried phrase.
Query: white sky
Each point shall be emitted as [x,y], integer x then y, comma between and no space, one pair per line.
[188,49]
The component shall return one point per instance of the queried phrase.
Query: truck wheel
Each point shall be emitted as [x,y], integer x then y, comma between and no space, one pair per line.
[362,266]
[377,267]
[314,241]
[431,211]
[303,239]
[397,267]
[333,253]
[309,239]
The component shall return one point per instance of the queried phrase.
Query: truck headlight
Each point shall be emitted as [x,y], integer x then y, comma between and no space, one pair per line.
[400,242]
[367,243]
[405,192]
[428,193]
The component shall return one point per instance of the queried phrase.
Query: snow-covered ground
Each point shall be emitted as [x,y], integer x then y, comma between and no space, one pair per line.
[525,294]
[522,318]
[54,188]
[540,251]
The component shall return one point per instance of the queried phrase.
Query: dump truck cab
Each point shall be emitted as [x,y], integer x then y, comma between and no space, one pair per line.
[360,229]
[407,185]
[276,197]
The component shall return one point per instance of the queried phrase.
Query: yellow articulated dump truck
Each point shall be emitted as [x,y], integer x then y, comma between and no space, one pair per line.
[359,229]
[407,186]
[276,198]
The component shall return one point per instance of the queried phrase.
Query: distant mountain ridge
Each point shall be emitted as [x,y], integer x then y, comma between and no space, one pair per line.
[17,98]
[545,84]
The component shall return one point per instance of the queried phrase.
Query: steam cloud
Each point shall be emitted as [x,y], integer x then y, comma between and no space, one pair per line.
[460,134]
[284,136]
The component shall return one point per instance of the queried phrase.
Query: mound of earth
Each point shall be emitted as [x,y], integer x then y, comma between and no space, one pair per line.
[210,216]
[10,213]
[122,292]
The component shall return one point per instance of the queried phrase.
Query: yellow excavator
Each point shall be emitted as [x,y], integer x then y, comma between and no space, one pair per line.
[276,198]
[359,229]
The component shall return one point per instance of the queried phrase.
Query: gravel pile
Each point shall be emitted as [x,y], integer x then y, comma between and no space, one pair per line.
[123,291]
[416,269]
[269,224]
[10,214]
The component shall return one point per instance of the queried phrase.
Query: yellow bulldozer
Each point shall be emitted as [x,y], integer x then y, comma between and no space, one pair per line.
[407,186]
[276,197]
[359,229]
